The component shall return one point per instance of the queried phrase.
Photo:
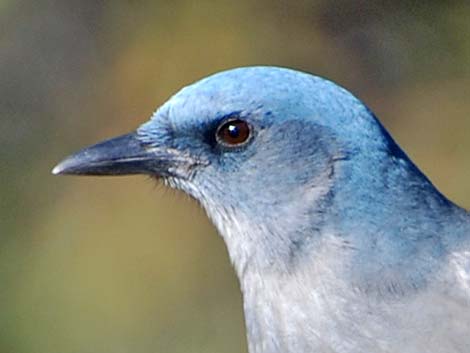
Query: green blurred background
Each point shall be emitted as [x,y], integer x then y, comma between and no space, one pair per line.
[119,265]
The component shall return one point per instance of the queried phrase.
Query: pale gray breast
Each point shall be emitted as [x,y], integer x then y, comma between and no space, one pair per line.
[309,312]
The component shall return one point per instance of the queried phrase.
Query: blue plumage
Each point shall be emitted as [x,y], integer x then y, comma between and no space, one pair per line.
[340,243]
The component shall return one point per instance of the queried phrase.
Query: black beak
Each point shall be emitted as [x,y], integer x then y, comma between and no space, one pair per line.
[123,155]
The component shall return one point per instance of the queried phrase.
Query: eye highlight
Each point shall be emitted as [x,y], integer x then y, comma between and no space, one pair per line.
[233,132]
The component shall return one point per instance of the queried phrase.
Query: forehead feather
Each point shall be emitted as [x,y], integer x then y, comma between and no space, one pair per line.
[270,93]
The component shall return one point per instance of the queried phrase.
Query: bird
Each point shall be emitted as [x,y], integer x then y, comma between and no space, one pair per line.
[340,243]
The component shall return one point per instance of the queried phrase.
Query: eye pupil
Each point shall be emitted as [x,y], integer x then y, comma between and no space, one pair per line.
[233,132]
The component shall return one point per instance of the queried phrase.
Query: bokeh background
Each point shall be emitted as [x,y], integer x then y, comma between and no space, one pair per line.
[120,265]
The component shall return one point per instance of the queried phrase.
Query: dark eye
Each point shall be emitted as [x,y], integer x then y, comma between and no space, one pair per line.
[233,132]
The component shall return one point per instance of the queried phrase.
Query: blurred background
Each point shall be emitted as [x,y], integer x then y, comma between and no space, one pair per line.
[120,265]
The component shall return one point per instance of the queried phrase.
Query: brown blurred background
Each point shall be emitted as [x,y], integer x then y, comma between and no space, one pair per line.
[119,265]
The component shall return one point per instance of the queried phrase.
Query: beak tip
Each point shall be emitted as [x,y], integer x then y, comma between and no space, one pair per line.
[60,168]
[57,170]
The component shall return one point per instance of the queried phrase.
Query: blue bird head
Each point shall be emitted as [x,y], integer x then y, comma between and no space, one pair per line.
[340,243]
[269,152]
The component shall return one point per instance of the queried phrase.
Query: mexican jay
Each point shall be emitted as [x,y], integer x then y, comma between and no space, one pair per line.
[341,244]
